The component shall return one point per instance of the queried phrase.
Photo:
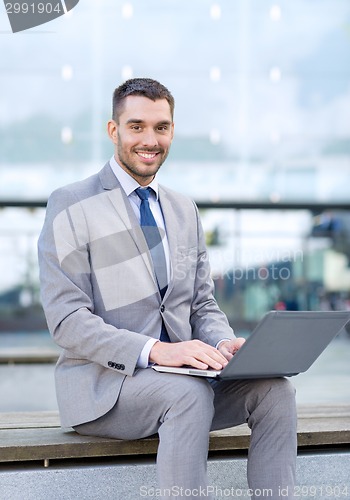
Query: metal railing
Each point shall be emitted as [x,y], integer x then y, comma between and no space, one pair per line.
[243,292]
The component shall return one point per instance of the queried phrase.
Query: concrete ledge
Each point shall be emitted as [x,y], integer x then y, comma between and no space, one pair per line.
[320,476]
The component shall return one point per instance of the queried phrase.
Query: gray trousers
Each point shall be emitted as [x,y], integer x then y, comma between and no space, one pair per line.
[183,409]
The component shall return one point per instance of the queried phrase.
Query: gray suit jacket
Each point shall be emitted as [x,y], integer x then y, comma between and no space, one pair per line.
[99,292]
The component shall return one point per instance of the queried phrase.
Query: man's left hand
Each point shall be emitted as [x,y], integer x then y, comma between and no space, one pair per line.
[229,347]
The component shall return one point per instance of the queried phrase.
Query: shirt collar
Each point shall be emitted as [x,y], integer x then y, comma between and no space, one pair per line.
[127,182]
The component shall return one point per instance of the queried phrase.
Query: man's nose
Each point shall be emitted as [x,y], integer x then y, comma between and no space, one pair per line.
[149,138]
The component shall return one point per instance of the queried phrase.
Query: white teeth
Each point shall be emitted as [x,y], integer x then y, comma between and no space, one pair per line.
[147,156]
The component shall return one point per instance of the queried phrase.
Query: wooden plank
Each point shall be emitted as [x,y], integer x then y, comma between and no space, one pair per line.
[233,438]
[29,419]
[45,444]
[323,424]
[323,431]
[319,411]
[23,420]
[54,443]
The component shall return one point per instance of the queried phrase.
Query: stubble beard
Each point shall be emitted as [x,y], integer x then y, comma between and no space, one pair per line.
[131,167]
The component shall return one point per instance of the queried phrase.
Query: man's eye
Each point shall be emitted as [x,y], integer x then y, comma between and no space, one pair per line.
[163,128]
[136,127]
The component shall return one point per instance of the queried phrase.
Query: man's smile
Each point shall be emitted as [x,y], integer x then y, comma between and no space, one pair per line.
[146,155]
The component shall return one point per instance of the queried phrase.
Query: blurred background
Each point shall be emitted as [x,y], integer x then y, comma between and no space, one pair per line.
[262,144]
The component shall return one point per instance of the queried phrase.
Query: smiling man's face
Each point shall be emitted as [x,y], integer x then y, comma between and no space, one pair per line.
[142,136]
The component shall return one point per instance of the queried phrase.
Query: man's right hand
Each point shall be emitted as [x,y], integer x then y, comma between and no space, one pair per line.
[192,353]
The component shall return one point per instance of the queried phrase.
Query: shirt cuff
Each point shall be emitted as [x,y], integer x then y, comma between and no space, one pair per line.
[220,341]
[143,360]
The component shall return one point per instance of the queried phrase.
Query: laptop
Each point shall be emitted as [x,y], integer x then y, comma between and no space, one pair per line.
[283,344]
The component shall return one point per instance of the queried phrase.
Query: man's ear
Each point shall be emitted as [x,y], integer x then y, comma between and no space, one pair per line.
[112,129]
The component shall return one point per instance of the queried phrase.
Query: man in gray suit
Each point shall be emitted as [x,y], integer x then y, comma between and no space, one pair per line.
[115,310]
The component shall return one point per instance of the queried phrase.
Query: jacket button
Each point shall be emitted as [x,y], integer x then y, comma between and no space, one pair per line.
[162,308]
[116,366]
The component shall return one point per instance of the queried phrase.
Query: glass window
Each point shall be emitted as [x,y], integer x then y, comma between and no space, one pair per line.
[263,99]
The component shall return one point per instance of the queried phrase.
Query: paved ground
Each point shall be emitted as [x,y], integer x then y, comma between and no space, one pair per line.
[328,379]
[31,387]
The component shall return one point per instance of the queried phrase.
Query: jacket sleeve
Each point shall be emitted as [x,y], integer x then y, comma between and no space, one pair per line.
[67,292]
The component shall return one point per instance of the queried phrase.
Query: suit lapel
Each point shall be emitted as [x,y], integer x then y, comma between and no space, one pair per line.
[121,204]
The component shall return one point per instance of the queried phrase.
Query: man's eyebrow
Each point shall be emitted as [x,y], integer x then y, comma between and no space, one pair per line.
[165,122]
[138,120]
[134,120]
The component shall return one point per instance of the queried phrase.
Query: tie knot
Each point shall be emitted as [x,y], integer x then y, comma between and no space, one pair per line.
[143,193]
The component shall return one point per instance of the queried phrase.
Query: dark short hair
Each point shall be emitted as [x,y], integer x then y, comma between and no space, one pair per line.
[142,87]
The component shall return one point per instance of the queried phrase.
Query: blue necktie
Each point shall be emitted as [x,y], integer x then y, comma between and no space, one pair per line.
[155,245]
